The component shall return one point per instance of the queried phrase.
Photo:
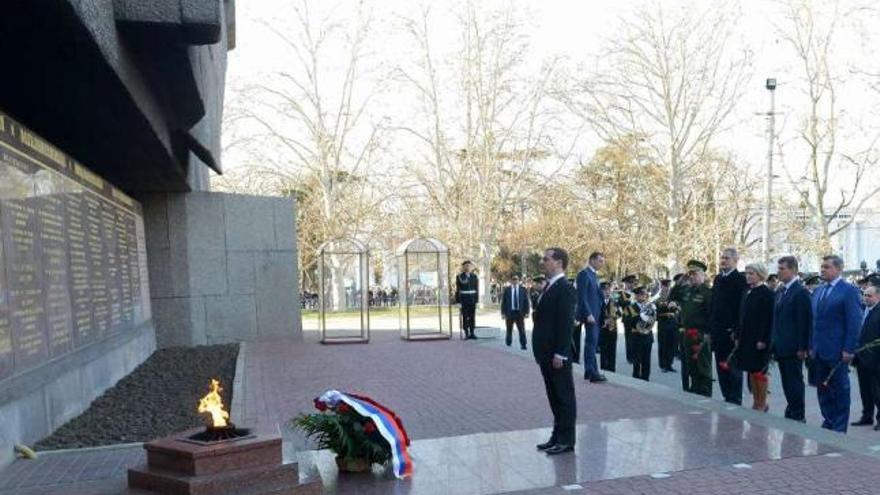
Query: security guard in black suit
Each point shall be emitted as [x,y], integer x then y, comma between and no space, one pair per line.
[467,292]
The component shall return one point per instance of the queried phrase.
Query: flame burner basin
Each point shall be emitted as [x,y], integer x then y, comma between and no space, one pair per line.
[214,434]
[218,461]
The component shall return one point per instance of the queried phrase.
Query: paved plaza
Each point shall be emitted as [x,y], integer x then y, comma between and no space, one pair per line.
[475,410]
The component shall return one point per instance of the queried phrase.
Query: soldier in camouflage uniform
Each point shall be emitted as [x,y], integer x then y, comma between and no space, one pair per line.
[696,348]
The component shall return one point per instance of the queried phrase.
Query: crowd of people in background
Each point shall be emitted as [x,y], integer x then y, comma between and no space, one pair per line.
[736,328]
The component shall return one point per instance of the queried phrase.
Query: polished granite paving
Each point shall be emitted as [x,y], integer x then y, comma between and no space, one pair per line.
[476,411]
[508,461]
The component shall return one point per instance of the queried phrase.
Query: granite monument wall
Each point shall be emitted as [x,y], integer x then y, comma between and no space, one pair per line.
[74,290]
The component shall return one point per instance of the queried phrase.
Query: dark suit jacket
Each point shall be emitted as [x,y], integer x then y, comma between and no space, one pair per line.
[553,317]
[755,321]
[589,296]
[792,321]
[523,304]
[870,332]
[727,293]
[837,320]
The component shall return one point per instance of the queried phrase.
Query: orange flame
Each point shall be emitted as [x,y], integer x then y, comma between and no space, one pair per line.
[212,403]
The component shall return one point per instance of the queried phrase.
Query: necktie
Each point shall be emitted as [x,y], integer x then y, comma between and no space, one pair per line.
[513,295]
[825,290]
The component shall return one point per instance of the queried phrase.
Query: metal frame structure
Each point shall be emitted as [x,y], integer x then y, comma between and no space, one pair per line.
[345,247]
[419,247]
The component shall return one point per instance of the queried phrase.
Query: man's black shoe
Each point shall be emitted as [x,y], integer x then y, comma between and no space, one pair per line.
[545,445]
[671,369]
[522,348]
[877,427]
[472,337]
[598,379]
[863,422]
[559,449]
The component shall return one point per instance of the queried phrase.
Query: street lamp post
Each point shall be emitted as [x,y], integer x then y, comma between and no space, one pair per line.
[770,85]
[522,253]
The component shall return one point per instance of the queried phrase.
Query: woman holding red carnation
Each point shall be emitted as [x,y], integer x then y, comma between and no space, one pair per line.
[753,333]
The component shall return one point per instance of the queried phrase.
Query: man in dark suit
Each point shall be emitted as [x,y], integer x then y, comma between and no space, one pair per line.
[868,361]
[551,346]
[514,309]
[727,293]
[837,320]
[589,314]
[790,338]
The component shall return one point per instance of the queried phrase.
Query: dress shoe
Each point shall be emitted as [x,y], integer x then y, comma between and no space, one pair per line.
[863,422]
[472,337]
[877,427]
[598,379]
[559,449]
[671,369]
[523,348]
[545,445]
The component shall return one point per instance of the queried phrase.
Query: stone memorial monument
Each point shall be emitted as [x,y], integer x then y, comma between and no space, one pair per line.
[111,242]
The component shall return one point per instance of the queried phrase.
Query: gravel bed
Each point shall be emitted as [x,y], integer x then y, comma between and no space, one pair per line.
[158,398]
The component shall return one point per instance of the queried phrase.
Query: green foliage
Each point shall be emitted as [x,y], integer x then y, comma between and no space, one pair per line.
[343,433]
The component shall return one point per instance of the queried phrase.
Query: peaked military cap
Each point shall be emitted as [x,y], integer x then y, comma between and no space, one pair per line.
[629,278]
[639,290]
[694,265]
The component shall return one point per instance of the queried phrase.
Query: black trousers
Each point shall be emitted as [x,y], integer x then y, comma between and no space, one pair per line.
[641,355]
[791,374]
[468,318]
[685,366]
[869,382]
[667,340]
[559,385]
[731,380]
[520,327]
[576,342]
[627,340]
[608,349]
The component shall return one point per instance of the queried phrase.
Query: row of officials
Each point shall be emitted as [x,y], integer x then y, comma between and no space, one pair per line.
[813,329]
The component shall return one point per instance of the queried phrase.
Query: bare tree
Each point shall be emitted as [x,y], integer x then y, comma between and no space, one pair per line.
[672,80]
[832,178]
[482,128]
[308,131]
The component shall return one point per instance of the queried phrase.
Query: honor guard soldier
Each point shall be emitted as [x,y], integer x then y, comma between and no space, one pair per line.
[695,303]
[467,292]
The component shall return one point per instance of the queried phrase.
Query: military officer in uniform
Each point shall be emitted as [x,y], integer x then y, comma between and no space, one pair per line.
[679,283]
[695,302]
[467,291]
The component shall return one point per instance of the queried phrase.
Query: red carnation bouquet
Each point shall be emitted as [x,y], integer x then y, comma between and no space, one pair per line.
[694,342]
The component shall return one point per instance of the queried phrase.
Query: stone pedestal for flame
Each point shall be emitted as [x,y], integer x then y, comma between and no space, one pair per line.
[252,465]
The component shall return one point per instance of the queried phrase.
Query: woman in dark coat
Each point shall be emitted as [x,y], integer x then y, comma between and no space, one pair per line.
[753,333]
